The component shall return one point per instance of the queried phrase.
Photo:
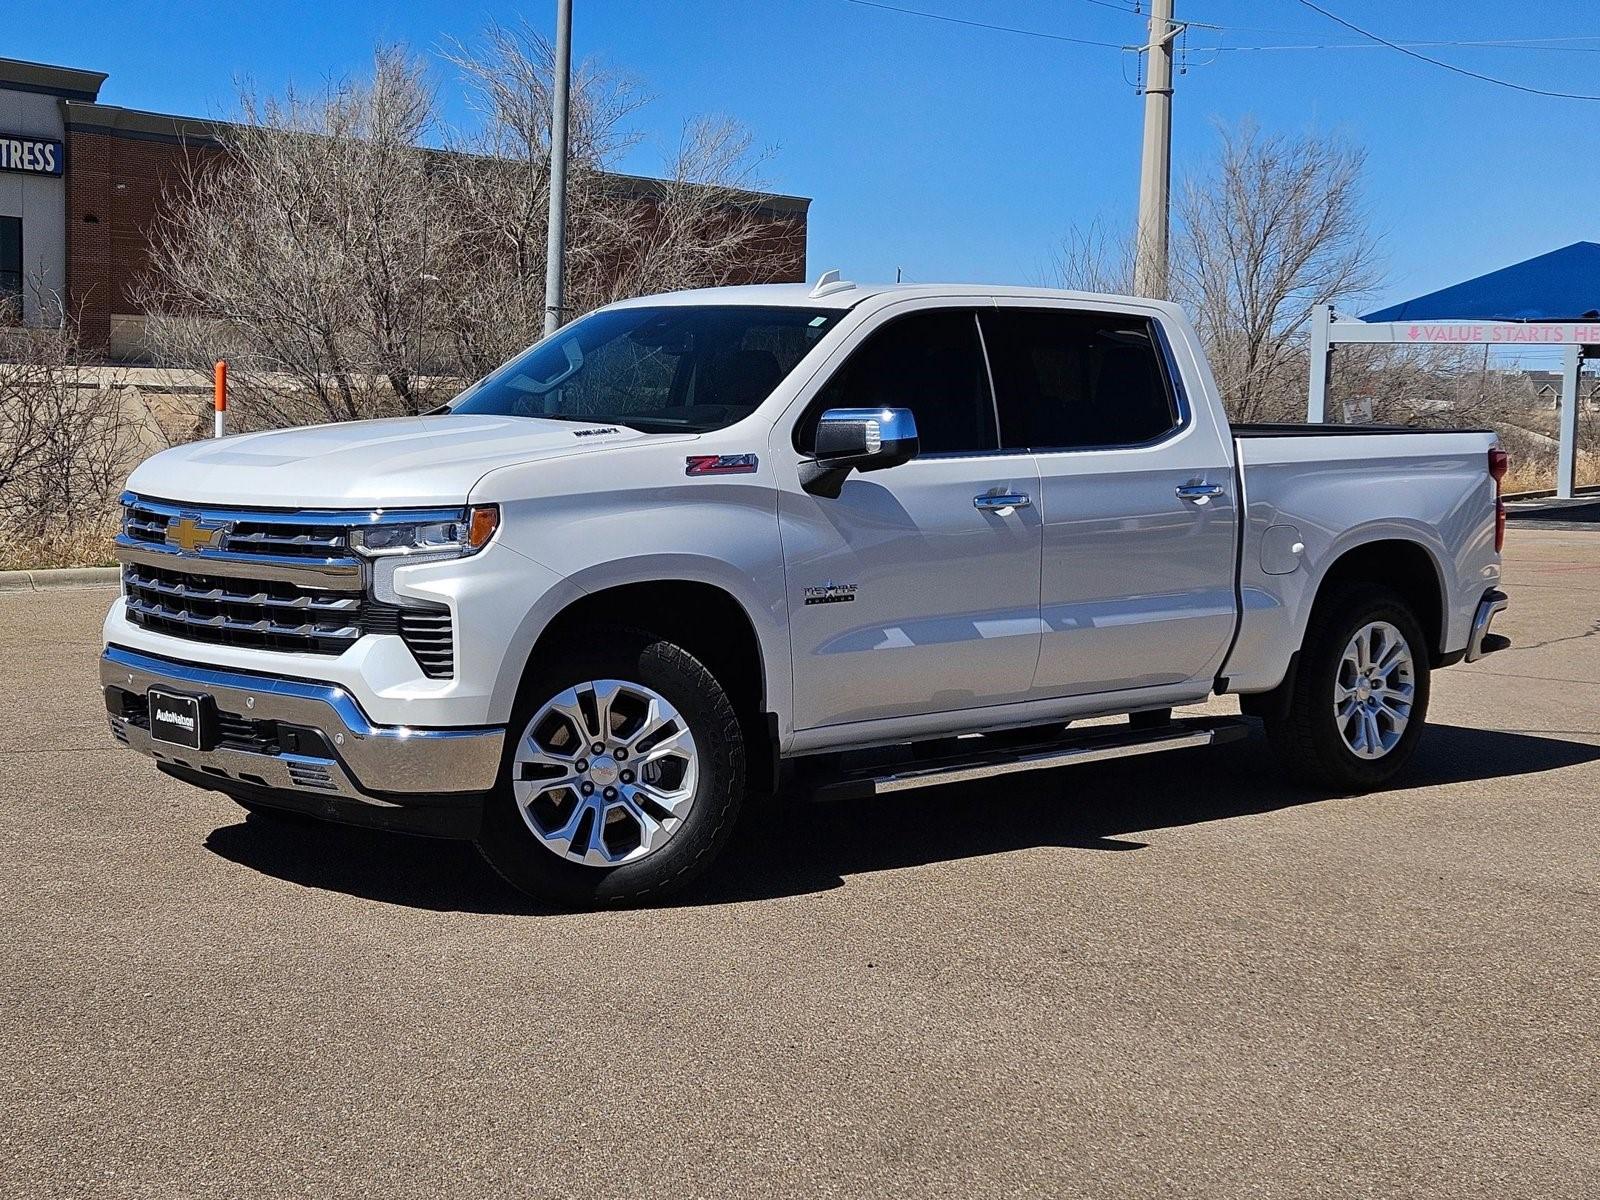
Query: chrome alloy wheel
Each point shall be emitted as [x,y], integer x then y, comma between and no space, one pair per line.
[1373,692]
[605,772]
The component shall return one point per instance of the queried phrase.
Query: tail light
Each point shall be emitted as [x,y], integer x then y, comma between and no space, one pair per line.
[1499,460]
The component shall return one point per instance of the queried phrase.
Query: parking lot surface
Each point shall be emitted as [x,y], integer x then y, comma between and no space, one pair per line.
[1172,977]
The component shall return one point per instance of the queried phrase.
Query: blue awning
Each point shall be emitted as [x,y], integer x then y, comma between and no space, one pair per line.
[1563,285]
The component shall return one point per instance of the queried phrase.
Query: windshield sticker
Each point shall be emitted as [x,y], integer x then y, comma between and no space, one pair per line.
[719,464]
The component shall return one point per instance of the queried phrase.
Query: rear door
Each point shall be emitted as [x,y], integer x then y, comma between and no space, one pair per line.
[1136,495]
[914,591]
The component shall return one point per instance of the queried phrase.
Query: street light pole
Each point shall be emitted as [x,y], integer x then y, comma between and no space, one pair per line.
[556,248]
[1155,164]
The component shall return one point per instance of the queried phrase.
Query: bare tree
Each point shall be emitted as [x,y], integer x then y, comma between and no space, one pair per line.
[303,252]
[500,182]
[1094,259]
[352,258]
[1273,227]
[66,444]
[699,224]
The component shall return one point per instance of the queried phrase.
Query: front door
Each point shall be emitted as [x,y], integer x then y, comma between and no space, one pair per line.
[1140,518]
[915,591]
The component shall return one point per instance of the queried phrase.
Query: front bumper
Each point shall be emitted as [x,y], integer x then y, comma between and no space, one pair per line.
[298,737]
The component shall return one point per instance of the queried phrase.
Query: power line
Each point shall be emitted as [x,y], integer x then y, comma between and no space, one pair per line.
[1034,33]
[1495,43]
[1117,6]
[1437,62]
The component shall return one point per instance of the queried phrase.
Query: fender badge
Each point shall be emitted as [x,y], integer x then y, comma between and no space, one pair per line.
[719,464]
[831,593]
[595,432]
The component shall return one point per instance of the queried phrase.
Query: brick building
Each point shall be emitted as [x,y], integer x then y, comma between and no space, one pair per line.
[81,183]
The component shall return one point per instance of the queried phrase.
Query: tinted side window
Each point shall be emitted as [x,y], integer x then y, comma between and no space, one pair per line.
[929,362]
[1071,380]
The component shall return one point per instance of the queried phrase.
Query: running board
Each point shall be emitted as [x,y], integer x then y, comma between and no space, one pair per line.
[1090,745]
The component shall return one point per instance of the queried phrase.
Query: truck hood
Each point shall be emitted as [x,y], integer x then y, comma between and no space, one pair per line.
[404,461]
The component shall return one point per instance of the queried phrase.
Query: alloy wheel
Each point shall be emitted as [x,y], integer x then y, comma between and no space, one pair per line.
[1374,690]
[605,772]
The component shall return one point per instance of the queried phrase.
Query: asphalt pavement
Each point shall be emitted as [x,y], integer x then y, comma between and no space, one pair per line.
[1172,977]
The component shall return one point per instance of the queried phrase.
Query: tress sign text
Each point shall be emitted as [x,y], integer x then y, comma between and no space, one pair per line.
[30,155]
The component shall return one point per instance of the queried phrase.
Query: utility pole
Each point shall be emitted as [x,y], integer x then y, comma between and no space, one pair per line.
[1155,164]
[556,248]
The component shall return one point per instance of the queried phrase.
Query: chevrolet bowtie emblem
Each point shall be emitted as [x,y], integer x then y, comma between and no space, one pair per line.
[190,535]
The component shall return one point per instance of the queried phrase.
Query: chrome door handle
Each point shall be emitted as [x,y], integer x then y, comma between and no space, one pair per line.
[1004,501]
[1199,492]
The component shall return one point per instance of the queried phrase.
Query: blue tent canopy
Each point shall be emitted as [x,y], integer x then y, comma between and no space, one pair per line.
[1563,285]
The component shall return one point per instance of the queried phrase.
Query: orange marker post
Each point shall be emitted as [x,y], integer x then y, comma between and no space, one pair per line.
[220,400]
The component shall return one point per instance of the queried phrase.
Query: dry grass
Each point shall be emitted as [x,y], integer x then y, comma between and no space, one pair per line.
[1539,475]
[84,548]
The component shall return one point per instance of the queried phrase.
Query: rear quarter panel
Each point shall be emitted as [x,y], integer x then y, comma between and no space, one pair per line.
[1338,493]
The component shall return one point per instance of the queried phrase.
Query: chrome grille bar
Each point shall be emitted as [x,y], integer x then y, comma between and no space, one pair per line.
[217,592]
[223,622]
[273,579]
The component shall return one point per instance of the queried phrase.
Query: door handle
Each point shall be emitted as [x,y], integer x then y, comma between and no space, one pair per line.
[1005,501]
[1200,493]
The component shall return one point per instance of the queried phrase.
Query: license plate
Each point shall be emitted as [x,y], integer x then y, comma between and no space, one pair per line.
[177,719]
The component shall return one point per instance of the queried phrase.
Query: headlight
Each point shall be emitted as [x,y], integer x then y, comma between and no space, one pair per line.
[455,536]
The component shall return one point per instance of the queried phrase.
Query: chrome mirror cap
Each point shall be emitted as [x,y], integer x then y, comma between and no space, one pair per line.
[861,439]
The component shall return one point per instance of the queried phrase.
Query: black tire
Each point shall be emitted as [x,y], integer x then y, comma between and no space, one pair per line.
[675,674]
[1303,728]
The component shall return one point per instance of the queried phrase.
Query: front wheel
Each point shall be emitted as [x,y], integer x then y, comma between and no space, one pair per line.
[622,775]
[1359,698]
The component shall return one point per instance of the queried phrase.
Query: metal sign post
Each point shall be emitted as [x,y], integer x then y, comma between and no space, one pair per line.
[219,399]
[1580,340]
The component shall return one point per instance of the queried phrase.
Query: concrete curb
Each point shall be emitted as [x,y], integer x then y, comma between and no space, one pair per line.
[61,577]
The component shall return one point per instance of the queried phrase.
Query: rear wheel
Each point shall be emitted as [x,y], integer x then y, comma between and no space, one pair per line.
[1359,698]
[622,777]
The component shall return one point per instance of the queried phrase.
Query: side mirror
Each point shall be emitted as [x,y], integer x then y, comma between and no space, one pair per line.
[857,439]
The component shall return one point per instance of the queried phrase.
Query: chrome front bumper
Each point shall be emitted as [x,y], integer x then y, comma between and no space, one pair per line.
[297,736]
[1480,641]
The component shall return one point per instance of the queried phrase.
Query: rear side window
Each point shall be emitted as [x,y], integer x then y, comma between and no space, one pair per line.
[929,362]
[1076,381]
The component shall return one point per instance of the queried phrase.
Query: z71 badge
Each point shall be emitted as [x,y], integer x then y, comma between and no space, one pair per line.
[831,593]
[719,464]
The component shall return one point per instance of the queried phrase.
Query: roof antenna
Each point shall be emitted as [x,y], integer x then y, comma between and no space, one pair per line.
[897,274]
[829,283]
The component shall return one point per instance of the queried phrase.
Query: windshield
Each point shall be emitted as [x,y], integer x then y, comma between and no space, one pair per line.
[672,369]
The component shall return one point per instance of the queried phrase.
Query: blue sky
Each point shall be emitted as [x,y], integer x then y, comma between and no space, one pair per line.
[963,153]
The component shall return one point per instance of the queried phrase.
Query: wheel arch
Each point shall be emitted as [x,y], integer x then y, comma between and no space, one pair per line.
[1404,565]
[704,617]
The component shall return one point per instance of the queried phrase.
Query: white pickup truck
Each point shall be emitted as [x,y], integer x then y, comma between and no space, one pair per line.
[898,535]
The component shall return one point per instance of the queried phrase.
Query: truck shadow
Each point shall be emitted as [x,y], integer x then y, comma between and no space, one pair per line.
[788,847]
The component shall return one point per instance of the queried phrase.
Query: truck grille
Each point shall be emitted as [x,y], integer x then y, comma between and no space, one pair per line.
[260,614]
[265,580]
[148,521]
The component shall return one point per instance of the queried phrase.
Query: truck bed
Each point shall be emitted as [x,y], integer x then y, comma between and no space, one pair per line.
[1324,488]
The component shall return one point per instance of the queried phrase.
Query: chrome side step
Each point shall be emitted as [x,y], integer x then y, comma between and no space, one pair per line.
[1091,745]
